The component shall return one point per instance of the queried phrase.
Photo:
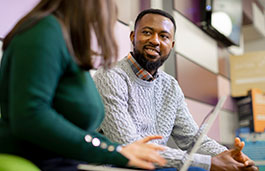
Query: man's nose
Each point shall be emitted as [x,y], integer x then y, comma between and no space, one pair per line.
[155,40]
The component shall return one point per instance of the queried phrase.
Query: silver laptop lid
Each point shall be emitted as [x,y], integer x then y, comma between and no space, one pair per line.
[203,130]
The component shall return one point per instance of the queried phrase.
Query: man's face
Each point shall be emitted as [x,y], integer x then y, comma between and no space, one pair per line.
[152,41]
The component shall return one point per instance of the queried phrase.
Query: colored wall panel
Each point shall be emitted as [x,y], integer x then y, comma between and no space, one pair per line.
[224,89]
[199,111]
[196,82]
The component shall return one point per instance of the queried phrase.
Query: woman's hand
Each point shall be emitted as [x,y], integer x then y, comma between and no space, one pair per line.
[143,155]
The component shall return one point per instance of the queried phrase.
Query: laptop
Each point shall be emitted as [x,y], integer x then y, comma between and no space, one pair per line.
[203,130]
[103,168]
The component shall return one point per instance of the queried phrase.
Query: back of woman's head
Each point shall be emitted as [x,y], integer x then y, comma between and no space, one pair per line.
[79,19]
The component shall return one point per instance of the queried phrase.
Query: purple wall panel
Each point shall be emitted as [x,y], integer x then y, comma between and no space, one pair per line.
[199,111]
[145,4]
[191,9]
[196,82]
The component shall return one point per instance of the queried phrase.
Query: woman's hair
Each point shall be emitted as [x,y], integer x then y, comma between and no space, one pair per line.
[79,19]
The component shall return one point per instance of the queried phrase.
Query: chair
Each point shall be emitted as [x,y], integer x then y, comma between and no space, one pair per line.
[10,162]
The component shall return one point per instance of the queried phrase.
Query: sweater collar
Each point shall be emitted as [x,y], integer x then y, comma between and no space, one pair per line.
[139,71]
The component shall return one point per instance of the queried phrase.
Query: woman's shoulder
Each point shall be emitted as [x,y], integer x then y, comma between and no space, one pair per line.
[46,30]
[42,39]
[49,24]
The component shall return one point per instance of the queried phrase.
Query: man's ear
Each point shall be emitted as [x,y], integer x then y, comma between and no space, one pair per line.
[173,43]
[132,37]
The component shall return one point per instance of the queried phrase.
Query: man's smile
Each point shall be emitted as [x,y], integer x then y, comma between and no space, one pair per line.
[151,51]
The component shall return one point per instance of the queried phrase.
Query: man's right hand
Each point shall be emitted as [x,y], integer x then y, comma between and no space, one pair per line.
[233,159]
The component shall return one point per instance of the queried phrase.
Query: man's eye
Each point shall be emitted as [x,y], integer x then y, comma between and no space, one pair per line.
[146,32]
[164,36]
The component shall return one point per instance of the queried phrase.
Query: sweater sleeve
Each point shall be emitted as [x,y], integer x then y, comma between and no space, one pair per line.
[37,64]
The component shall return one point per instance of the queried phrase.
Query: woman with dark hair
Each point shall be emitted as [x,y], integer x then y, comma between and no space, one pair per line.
[50,107]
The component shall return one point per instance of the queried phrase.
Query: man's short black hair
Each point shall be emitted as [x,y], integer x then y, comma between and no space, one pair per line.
[154,11]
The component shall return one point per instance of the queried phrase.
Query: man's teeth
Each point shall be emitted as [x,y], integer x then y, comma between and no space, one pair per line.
[152,51]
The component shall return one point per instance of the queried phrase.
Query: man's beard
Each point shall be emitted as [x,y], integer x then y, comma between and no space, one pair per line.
[147,65]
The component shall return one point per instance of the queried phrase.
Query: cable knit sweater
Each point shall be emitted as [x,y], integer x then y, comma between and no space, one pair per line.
[136,108]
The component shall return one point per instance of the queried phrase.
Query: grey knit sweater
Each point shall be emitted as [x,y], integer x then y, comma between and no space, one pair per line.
[136,108]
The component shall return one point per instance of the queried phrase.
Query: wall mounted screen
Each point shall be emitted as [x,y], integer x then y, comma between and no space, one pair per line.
[221,19]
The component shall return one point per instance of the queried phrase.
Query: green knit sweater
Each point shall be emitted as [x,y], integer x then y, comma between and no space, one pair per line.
[48,104]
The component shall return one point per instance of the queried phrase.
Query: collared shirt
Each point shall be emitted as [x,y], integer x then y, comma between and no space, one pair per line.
[139,71]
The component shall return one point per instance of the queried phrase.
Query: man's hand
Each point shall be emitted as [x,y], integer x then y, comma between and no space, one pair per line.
[233,159]
[239,156]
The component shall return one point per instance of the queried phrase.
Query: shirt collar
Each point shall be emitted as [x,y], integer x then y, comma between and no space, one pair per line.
[139,71]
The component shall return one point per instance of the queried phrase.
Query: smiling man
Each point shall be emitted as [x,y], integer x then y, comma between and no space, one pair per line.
[141,100]
[152,42]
